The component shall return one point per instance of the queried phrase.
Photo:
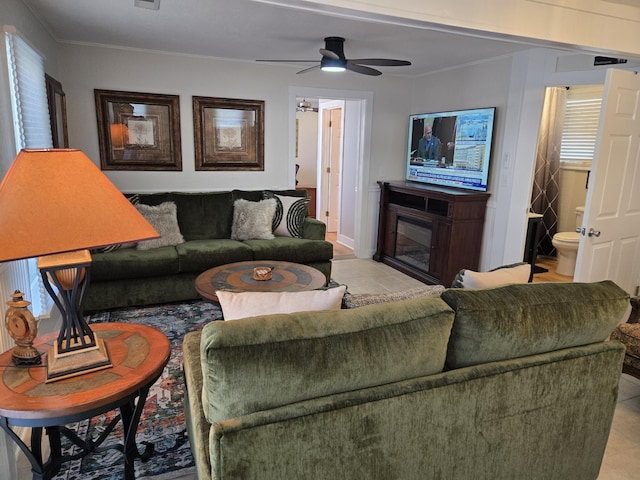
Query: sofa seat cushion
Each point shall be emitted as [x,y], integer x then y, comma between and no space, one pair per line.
[200,255]
[297,250]
[132,263]
[525,319]
[259,363]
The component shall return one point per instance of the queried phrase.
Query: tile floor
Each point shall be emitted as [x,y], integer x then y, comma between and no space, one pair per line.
[621,459]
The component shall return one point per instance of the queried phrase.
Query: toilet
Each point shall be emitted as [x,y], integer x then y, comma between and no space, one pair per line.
[566,244]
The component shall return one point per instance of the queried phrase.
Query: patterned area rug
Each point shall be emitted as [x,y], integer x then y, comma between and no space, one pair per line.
[162,422]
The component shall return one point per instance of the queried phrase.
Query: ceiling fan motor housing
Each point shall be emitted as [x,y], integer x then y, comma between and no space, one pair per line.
[335,45]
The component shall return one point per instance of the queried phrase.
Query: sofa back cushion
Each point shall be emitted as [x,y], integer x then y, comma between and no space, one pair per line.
[259,363]
[525,319]
[201,215]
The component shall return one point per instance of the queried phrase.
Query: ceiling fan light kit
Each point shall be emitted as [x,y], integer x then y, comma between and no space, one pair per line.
[333,64]
[334,60]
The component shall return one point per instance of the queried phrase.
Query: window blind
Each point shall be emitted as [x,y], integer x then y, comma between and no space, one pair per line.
[28,94]
[580,129]
[31,128]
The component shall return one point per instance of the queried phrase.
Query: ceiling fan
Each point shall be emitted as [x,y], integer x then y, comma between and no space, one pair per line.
[333,60]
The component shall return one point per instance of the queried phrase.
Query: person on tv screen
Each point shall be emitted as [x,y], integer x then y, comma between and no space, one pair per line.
[428,145]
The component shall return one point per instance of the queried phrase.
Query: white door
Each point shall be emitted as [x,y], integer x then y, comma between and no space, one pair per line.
[331,167]
[610,245]
[335,173]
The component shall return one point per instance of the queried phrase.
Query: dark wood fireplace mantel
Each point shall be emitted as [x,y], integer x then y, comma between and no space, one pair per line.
[430,232]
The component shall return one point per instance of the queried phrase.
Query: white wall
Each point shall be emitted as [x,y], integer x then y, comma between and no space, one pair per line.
[88,68]
[573,193]
[472,86]
[307,142]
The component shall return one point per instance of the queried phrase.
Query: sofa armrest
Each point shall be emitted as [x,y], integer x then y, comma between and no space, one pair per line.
[313,229]
[197,425]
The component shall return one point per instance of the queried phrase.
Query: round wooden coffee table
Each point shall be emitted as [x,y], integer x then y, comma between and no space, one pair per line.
[238,277]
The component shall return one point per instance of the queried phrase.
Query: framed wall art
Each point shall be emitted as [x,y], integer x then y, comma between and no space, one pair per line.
[56,100]
[138,131]
[229,133]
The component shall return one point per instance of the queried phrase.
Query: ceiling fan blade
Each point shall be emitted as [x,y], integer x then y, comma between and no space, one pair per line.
[381,62]
[308,69]
[329,54]
[354,67]
[287,61]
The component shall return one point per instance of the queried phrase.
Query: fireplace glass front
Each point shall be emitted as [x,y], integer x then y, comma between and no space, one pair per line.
[413,243]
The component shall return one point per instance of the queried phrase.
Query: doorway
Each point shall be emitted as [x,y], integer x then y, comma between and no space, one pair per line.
[565,150]
[354,229]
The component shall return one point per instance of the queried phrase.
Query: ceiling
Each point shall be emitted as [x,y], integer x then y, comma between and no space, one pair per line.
[248,30]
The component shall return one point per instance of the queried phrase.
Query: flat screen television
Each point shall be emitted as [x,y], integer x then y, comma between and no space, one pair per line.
[451,149]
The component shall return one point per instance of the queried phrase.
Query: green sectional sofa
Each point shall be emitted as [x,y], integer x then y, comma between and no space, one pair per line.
[128,276]
[514,382]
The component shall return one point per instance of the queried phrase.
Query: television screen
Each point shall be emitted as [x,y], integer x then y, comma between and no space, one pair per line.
[451,149]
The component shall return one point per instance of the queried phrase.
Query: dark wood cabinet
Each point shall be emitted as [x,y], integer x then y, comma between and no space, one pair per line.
[430,232]
[311,193]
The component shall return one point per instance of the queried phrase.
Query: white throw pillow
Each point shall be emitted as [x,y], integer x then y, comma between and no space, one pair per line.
[164,218]
[501,276]
[253,220]
[290,214]
[237,305]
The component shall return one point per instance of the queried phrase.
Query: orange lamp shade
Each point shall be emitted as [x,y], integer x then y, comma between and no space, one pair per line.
[58,200]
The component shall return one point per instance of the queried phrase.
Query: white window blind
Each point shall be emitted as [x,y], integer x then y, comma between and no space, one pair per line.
[28,94]
[32,129]
[581,116]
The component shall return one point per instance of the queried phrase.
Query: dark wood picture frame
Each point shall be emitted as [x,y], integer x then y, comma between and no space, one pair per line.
[57,102]
[228,133]
[138,131]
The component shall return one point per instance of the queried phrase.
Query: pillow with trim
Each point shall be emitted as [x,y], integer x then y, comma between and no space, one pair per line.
[288,220]
[355,300]
[135,200]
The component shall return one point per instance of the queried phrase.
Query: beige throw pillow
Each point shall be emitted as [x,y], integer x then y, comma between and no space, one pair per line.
[237,305]
[356,300]
[164,218]
[501,276]
[252,220]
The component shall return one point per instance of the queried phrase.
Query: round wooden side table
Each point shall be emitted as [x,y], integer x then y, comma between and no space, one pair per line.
[238,277]
[138,354]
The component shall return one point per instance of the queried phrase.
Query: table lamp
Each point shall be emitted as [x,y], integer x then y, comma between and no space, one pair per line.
[56,204]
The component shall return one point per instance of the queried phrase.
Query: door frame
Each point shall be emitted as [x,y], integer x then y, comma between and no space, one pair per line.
[364,231]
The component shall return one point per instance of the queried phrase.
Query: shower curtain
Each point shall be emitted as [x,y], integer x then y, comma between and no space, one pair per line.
[544,196]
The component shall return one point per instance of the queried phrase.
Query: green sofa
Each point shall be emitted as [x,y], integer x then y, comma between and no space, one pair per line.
[127,276]
[515,382]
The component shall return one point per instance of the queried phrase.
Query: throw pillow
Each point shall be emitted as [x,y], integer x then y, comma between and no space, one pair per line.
[237,305]
[355,300]
[135,200]
[517,273]
[290,214]
[252,220]
[164,218]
